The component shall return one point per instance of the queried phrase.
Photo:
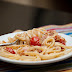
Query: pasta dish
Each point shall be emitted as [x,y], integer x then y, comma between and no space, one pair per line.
[35,45]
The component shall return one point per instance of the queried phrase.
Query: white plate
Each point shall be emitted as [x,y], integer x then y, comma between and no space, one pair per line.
[69,43]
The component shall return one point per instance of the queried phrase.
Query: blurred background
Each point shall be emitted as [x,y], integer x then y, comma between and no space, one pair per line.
[28,14]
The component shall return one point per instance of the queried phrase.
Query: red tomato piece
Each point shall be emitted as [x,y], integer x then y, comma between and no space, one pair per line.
[10,50]
[35,41]
[58,39]
[62,41]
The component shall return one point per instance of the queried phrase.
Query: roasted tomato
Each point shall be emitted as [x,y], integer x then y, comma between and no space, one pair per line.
[10,50]
[35,41]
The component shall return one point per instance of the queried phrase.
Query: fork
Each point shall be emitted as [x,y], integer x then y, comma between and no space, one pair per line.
[7,44]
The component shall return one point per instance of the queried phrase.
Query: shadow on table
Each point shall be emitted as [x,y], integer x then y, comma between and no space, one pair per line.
[37,68]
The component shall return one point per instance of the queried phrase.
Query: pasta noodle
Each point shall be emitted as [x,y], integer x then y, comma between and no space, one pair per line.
[35,45]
